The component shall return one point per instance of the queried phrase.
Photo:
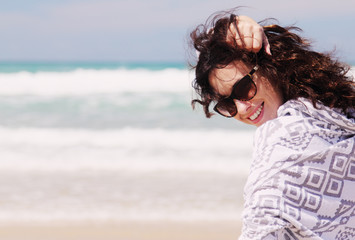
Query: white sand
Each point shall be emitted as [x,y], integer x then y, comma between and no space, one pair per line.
[124,231]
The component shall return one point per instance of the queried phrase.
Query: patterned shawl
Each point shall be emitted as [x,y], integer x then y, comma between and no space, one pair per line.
[302,179]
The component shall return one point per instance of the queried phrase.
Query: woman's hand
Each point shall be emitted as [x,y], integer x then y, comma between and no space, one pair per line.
[250,35]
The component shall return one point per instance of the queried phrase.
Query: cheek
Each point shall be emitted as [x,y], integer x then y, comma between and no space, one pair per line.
[236,117]
[270,95]
[267,89]
[273,107]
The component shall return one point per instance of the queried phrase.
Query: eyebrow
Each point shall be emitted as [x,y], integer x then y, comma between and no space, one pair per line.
[249,74]
[220,86]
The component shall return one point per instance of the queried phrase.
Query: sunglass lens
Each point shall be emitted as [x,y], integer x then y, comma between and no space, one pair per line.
[245,89]
[226,107]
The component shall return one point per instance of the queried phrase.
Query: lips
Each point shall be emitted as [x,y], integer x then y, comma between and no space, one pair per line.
[257,113]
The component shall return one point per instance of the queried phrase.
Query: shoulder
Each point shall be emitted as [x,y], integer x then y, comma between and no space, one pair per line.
[299,130]
[288,134]
[291,170]
[317,114]
[299,121]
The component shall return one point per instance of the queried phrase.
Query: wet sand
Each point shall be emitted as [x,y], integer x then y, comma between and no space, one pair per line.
[124,231]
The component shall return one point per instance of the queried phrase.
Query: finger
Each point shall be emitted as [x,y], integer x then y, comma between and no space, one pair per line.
[238,39]
[233,36]
[256,45]
[266,44]
[245,39]
[248,42]
[257,39]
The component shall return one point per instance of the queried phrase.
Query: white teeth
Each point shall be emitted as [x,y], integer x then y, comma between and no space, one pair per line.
[256,114]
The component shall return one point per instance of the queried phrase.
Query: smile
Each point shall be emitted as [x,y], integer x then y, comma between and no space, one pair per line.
[257,113]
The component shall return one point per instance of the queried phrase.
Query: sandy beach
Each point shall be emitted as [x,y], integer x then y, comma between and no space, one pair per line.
[84,156]
[211,230]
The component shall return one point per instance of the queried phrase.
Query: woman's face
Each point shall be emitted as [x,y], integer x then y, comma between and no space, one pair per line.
[258,110]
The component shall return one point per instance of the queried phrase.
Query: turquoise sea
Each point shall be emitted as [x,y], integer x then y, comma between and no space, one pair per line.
[12,67]
[110,142]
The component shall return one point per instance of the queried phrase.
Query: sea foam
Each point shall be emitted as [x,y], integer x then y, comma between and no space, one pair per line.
[89,81]
[136,150]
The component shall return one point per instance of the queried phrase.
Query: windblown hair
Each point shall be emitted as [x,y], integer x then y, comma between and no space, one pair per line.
[294,69]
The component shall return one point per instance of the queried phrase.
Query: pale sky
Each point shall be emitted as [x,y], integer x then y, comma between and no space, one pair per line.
[152,30]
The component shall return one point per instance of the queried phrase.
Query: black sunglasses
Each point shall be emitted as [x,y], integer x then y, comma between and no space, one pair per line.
[242,90]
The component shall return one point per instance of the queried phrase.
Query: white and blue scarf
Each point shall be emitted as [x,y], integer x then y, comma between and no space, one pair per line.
[302,179]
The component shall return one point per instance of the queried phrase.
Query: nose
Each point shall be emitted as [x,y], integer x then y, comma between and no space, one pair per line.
[242,106]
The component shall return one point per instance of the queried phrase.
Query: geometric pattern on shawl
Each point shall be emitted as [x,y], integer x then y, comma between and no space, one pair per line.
[302,179]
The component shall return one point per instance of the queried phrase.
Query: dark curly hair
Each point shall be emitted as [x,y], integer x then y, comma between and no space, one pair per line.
[294,69]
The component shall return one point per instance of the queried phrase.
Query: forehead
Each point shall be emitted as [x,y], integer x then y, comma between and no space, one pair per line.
[223,79]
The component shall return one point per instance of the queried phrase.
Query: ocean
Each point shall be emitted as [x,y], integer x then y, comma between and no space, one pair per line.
[111,142]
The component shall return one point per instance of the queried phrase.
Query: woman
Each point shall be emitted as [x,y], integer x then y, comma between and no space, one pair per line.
[302,179]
